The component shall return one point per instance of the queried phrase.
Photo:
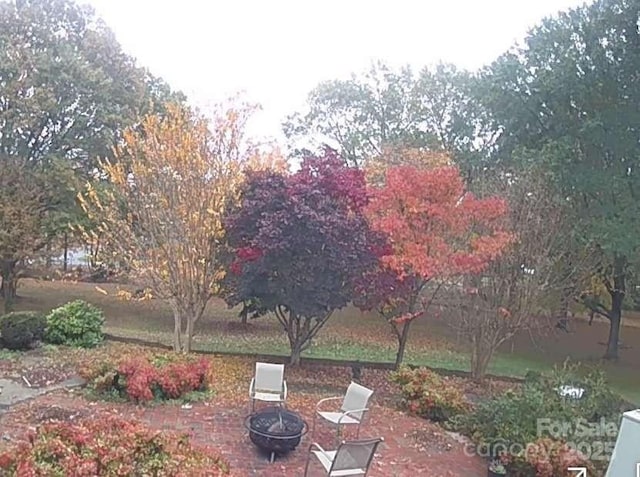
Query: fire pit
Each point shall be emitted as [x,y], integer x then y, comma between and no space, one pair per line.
[275,430]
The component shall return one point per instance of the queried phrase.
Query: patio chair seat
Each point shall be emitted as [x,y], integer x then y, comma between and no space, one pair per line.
[350,458]
[271,397]
[326,459]
[334,417]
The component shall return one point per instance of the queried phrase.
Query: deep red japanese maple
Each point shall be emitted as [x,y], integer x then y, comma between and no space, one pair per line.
[300,242]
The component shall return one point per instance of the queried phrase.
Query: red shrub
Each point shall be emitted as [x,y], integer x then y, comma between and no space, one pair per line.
[108,446]
[546,458]
[142,379]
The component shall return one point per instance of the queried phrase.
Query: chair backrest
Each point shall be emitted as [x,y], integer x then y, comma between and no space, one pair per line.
[357,397]
[269,377]
[353,455]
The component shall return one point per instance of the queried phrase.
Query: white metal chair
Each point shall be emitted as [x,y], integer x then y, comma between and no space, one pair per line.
[351,457]
[352,411]
[268,384]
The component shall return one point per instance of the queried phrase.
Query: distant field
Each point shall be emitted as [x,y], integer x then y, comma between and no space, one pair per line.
[351,334]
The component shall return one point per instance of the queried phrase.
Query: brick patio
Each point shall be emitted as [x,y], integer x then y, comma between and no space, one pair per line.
[219,424]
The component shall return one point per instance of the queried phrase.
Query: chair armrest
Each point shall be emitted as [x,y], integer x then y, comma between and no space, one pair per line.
[251,387]
[316,445]
[284,387]
[353,411]
[326,400]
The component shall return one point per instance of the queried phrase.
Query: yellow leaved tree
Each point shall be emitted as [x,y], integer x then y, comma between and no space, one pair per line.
[159,206]
[270,158]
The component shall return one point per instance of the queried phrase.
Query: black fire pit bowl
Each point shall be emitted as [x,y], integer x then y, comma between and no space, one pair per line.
[275,430]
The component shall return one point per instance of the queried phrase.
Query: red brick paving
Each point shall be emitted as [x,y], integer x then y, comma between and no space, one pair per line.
[220,426]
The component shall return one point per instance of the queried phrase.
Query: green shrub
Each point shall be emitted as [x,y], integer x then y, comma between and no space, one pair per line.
[429,395]
[21,329]
[512,419]
[76,323]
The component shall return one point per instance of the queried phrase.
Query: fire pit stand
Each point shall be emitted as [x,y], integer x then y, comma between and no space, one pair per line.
[275,430]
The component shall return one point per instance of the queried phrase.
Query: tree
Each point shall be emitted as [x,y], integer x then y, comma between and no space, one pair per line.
[436,232]
[435,110]
[300,242]
[569,97]
[420,158]
[22,214]
[67,92]
[517,290]
[162,212]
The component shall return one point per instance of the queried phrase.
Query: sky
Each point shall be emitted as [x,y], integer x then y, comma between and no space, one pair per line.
[276,51]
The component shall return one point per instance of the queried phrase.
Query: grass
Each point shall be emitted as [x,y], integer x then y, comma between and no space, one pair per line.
[6,354]
[349,335]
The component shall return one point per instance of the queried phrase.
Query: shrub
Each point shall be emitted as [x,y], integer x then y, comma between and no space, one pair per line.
[511,419]
[77,323]
[21,329]
[545,458]
[428,394]
[144,377]
[108,446]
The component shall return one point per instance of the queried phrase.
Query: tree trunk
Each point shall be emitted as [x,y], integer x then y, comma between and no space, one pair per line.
[402,344]
[66,252]
[183,326]
[296,353]
[177,328]
[244,314]
[8,289]
[191,320]
[615,316]
[481,354]
[48,261]
[296,340]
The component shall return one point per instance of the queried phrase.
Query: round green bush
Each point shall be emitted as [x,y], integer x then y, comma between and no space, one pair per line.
[76,323]
[22,329]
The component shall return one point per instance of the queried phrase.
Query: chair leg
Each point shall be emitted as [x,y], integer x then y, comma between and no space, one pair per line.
[313,426]
[338,436]
[306,467]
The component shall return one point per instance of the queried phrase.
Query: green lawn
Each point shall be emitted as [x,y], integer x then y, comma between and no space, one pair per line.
[349,335]
[503,364]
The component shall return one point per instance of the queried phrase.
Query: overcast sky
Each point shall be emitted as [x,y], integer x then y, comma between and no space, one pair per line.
[278,50]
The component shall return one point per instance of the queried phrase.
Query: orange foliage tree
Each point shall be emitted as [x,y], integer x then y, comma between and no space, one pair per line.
[436,232]
[396,156]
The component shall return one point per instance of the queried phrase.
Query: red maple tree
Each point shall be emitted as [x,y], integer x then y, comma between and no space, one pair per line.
[436,231]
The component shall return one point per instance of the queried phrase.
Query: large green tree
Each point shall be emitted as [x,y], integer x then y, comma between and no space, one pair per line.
[434,109]
[570,94]
[67,91]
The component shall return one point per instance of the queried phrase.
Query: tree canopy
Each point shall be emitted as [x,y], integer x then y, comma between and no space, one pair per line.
[67,93]
[300,242]
[162,212]
[386,108]
[436,231]
[568,99]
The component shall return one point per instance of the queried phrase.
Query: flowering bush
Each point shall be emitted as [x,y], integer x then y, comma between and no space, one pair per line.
[107,446]
[545,458]
[428,394]
[144,377]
